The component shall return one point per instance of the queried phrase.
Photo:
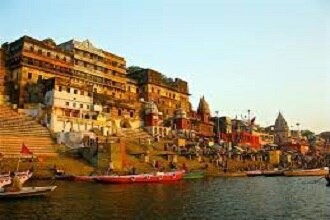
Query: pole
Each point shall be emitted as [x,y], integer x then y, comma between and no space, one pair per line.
[217,114]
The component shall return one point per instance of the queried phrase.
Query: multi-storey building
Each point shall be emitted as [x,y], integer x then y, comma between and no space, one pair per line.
[105,74]
[29,60]
[81,87]
[166,93]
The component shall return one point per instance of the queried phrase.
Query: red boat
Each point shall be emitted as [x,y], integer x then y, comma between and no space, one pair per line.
[142,178]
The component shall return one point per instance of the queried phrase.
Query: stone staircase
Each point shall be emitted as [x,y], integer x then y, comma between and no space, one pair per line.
[16,129]
[134,134]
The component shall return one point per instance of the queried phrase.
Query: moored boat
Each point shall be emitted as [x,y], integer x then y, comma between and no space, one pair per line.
[194,174]
[270,173]
[28,192]
[311,172]
[253,173]
[327,177]
[83,178]
[142,178]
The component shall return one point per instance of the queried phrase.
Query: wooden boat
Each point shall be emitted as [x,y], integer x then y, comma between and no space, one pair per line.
[228,174]
[64,177]
[253,173]
[194,174]
[311,172]
[6,179]
[270,173]
[158,177]
[84,178]
[28,192]
[327,178]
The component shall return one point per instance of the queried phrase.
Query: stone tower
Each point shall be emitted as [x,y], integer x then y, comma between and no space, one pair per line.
[204,110]
[281,130]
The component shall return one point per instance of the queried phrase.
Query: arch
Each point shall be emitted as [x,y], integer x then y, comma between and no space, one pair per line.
[125,123]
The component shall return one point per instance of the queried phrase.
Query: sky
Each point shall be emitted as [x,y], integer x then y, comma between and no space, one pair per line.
[266,56]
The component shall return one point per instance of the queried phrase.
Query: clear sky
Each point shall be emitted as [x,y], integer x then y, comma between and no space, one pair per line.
[267,56]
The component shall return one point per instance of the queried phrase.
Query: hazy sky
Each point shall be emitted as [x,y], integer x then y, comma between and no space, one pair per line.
[260,55]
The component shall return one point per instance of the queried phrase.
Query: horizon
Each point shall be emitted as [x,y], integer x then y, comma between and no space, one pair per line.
[266,57]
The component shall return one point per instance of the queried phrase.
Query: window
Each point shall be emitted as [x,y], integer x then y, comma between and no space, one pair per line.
[89,94]
[158,91]
[57,57]
[40,51]
[87,106]
[74,105]
[81,105]
[75,91]
[119,112]
[68,90]
[29,75]
[48,54]
[39,77]
[64,58]
[67,104]
[81,92]
[131,114]
[31,48]
[60,88]
[95,90]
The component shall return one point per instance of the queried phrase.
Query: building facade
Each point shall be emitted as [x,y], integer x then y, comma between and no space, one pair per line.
[167,93]
[76,86]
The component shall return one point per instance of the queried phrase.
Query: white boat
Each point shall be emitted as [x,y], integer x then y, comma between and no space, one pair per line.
[28,192]
[254,173]
[24,176]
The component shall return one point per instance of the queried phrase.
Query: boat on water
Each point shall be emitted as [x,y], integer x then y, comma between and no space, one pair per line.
[64,177]
[327,178]
[83,178]
[252,173]
[310,172]
[270,173]
[194,174]
[228,174]
[28,192]
[6,179]
[158,177]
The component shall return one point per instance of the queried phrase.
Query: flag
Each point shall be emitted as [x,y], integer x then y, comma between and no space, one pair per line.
[25,149]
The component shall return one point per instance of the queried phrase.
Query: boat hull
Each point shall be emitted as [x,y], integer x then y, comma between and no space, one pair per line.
[194,175]
[271,173]
[143,178]
[28,192]
[313,172]
[254,173]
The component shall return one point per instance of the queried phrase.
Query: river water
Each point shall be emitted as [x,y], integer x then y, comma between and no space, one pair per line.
[212,198]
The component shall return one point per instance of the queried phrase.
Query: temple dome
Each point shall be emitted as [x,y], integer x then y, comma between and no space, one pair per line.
[203,106]
[280,123]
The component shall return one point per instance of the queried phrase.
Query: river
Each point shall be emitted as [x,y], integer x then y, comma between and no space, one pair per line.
[212,198]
